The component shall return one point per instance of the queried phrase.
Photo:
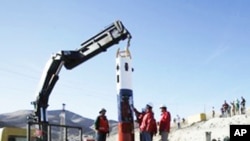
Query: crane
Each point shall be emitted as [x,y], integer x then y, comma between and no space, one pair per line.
[70,59]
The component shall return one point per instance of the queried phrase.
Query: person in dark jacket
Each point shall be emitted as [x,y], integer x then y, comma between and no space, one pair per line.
[102,126]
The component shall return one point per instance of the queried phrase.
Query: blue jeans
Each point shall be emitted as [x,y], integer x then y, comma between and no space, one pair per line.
[141,136]
[146,136]
[164,136]
[101,136]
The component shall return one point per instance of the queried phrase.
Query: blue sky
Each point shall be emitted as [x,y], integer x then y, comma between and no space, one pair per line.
[188,55]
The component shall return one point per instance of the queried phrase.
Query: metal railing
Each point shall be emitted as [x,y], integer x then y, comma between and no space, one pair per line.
[53,132]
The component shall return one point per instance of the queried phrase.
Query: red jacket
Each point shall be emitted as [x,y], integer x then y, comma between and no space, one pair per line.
[148,123]
[165,122]
[139,116]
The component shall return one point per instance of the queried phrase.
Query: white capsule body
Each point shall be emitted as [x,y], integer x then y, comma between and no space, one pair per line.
[124,72]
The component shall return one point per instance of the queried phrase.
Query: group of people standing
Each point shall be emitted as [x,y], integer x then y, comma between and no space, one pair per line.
[148,125]
[233,108]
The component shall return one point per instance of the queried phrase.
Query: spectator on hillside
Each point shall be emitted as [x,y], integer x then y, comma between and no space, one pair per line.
[225,108]
[183,120]
[229,110]
[243,104]
[178,121]
[213,112]
[233,107]
[237,106]
[222,111]
[174,120]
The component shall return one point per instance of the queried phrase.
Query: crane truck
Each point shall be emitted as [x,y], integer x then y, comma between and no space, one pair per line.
[69,59]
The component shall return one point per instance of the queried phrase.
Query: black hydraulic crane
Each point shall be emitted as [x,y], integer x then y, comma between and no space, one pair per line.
[110,36]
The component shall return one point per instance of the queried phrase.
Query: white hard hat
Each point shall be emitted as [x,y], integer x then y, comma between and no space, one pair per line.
[150,105]
[163,106]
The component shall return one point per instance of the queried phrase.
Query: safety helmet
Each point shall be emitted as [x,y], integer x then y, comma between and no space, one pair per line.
[102,110]
[163,106]
[149,105]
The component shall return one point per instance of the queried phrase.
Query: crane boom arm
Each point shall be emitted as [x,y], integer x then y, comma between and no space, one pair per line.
[110,36]
[97,44]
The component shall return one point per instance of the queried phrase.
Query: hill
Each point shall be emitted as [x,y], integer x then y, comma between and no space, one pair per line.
[218,127]
[19,119]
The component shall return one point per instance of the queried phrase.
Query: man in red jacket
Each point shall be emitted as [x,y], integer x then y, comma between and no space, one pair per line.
[148,124]
[164,124]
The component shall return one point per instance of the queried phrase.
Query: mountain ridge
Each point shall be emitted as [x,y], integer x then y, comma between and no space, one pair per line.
[19,119]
